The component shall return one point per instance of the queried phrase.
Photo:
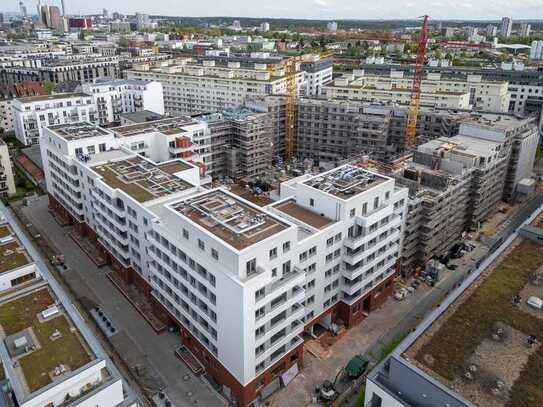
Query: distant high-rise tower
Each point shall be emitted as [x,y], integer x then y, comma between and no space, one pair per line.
[105,13]
[22,9]
[331,26]
[63,8]
[506,27]
[525,29]
[54,18]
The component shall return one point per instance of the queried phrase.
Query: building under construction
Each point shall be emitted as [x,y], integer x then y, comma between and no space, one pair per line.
[240,143]
[454,184]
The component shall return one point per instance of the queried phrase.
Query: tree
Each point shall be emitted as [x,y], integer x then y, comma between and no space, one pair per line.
[49,86]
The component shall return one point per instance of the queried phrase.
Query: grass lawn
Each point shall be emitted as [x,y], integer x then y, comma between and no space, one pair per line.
[20,314]
[474,321]
[13,260]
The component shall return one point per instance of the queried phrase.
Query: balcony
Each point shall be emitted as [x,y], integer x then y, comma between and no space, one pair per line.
[296,273]
[353,273]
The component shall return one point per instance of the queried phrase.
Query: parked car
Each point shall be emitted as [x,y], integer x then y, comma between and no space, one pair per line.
[401,294]
[535,302]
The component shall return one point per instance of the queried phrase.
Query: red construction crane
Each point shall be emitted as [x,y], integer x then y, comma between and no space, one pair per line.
[411,128]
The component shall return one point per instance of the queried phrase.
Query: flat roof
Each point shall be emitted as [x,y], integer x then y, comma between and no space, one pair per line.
[169,126]
[346,182]
[12,253]
[142,116]
[304,215]
[230,218]
[42,348]
[141,179]
[77,131]
[44,98]
[478,346]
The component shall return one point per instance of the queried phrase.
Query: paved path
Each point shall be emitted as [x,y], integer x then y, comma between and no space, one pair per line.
[158,348]
[369,336]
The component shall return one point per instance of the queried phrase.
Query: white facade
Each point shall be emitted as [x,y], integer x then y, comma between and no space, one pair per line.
[113,97]
[191,89]
[7,183]
[331,26]
[243,280]
[506,26]
[436,91]
[31,114]
[525,29]
[536,50]
[6,115]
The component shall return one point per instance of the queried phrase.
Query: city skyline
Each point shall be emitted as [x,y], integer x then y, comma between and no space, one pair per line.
[314,9]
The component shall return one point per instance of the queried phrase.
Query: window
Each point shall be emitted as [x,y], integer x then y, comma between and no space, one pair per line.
[286,267]
[273,253]
[353,212]
[387,195]
[365,208]
[102,147]
[311,202]
[274,272]
[201,245]
[337,237]
[313,251]
[260,293]
[185,233]
[329,242]
[260,312]
[286,247]
[250,267]
[376,202]
[215,254]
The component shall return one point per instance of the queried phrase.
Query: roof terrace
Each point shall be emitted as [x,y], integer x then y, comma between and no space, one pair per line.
[141,179]
[40,340]
[172,125]
[12,253]
[78,131]
[230,219]
[346,182]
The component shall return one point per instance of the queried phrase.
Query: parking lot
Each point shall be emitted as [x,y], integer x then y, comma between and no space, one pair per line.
[144,345]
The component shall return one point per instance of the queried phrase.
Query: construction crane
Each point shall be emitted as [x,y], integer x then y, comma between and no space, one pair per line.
[197,46]
[411,128]
[290,67]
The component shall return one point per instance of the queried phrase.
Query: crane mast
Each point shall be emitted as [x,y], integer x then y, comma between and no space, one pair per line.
[411,128]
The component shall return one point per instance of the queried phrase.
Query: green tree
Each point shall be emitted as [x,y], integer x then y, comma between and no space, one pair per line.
[49,86]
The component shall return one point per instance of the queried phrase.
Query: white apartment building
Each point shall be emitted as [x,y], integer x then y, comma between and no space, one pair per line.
[191,88]
[31,114]
[6,116]
[317,72]
[7,183]
[436,91]
[113,97]
[325,253]
[81,376]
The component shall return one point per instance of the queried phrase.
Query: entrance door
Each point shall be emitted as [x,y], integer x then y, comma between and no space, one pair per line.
[366,305]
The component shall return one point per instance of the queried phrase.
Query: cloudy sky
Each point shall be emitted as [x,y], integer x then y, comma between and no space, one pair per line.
[318,9]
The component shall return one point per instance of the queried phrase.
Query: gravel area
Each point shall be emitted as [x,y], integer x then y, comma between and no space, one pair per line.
[495,366]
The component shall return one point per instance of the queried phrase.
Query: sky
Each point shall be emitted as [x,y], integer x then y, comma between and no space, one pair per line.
[311,9]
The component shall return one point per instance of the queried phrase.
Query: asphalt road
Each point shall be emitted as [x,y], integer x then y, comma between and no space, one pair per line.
[182,387]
